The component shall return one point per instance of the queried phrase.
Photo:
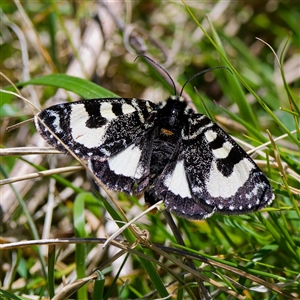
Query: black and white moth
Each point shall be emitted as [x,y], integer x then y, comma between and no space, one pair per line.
[165,150]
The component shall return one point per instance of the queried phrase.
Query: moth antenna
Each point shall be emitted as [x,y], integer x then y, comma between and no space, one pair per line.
[161,67]
[199,73]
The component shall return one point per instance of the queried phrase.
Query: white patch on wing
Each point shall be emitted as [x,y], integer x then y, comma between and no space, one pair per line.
[89,137]
[125,162]
[219,185]
[105,152]
[106,111]
[197,120]
[137,108]
[149,108]
[177,182]
[127,109]
[210,135]
[140,170]
[55,123]
[223,151]
[196,133]
[197,189]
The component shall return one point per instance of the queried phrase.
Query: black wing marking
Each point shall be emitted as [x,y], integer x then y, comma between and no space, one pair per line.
[220,173]
[96,128]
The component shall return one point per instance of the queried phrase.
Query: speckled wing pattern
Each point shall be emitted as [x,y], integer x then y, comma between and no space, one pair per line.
[164,150]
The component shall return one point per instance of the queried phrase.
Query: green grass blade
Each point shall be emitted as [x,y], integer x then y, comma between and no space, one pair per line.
[51,270]
[79,227]
[99,287]
[234,89]
[82,87]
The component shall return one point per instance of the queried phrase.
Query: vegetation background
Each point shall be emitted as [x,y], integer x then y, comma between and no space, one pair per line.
[255,256]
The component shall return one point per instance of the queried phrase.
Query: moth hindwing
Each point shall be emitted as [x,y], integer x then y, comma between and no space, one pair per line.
[164,150]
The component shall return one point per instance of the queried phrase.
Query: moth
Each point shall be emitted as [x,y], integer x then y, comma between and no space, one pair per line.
[165,150]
